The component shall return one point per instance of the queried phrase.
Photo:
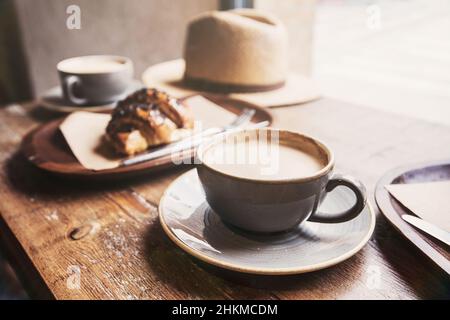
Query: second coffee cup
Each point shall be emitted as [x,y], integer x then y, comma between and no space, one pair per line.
[98,79]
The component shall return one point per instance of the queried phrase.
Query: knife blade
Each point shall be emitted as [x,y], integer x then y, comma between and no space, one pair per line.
[428,227]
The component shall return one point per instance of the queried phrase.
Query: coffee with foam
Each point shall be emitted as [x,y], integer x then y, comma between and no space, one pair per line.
[84,65]
[259,159]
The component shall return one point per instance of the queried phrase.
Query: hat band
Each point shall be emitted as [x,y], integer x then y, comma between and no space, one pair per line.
[219,87]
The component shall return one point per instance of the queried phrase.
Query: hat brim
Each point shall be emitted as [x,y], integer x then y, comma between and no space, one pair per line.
[168,76]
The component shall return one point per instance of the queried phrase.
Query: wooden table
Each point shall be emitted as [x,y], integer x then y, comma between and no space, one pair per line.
[109,233]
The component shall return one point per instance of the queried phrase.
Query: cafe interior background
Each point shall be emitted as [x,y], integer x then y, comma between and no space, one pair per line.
[392,55]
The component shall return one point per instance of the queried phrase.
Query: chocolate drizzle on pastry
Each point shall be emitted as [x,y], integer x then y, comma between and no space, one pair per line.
[144,119]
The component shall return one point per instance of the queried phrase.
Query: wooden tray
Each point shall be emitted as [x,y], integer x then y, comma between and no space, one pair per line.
[392,209]
[46,147]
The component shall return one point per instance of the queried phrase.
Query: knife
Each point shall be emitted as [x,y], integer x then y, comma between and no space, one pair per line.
[186,144]
[429,228]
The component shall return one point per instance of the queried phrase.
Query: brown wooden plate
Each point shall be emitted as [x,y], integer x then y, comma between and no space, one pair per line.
[393,210]
[46,147]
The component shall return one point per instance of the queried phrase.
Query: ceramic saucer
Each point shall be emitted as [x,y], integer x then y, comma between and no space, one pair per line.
[192,225]
[53,100]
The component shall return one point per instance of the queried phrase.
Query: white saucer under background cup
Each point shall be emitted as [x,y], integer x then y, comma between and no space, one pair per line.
[98,79]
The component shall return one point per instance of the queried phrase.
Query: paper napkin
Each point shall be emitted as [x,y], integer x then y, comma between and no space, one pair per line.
[430,201]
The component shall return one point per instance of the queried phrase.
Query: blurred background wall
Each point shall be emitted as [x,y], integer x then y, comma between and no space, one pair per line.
[34,36]
[14,77]
[147,31]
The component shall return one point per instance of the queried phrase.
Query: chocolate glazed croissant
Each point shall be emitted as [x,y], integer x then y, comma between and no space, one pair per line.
[144,119]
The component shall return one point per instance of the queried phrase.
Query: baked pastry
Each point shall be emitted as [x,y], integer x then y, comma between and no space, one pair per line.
[144,119]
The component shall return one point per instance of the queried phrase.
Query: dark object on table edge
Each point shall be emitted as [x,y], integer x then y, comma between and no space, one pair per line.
[393,210]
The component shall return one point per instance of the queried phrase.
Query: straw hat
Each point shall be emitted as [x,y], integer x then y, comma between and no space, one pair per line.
[242,53]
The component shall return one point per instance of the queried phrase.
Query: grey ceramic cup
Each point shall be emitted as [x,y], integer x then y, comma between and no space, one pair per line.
[258,205]
[82,86]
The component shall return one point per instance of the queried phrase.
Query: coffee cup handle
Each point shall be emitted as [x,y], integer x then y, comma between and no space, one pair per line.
[358,189]
[70,82]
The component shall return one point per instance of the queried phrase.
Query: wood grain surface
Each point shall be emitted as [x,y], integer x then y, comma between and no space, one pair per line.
[111,234]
